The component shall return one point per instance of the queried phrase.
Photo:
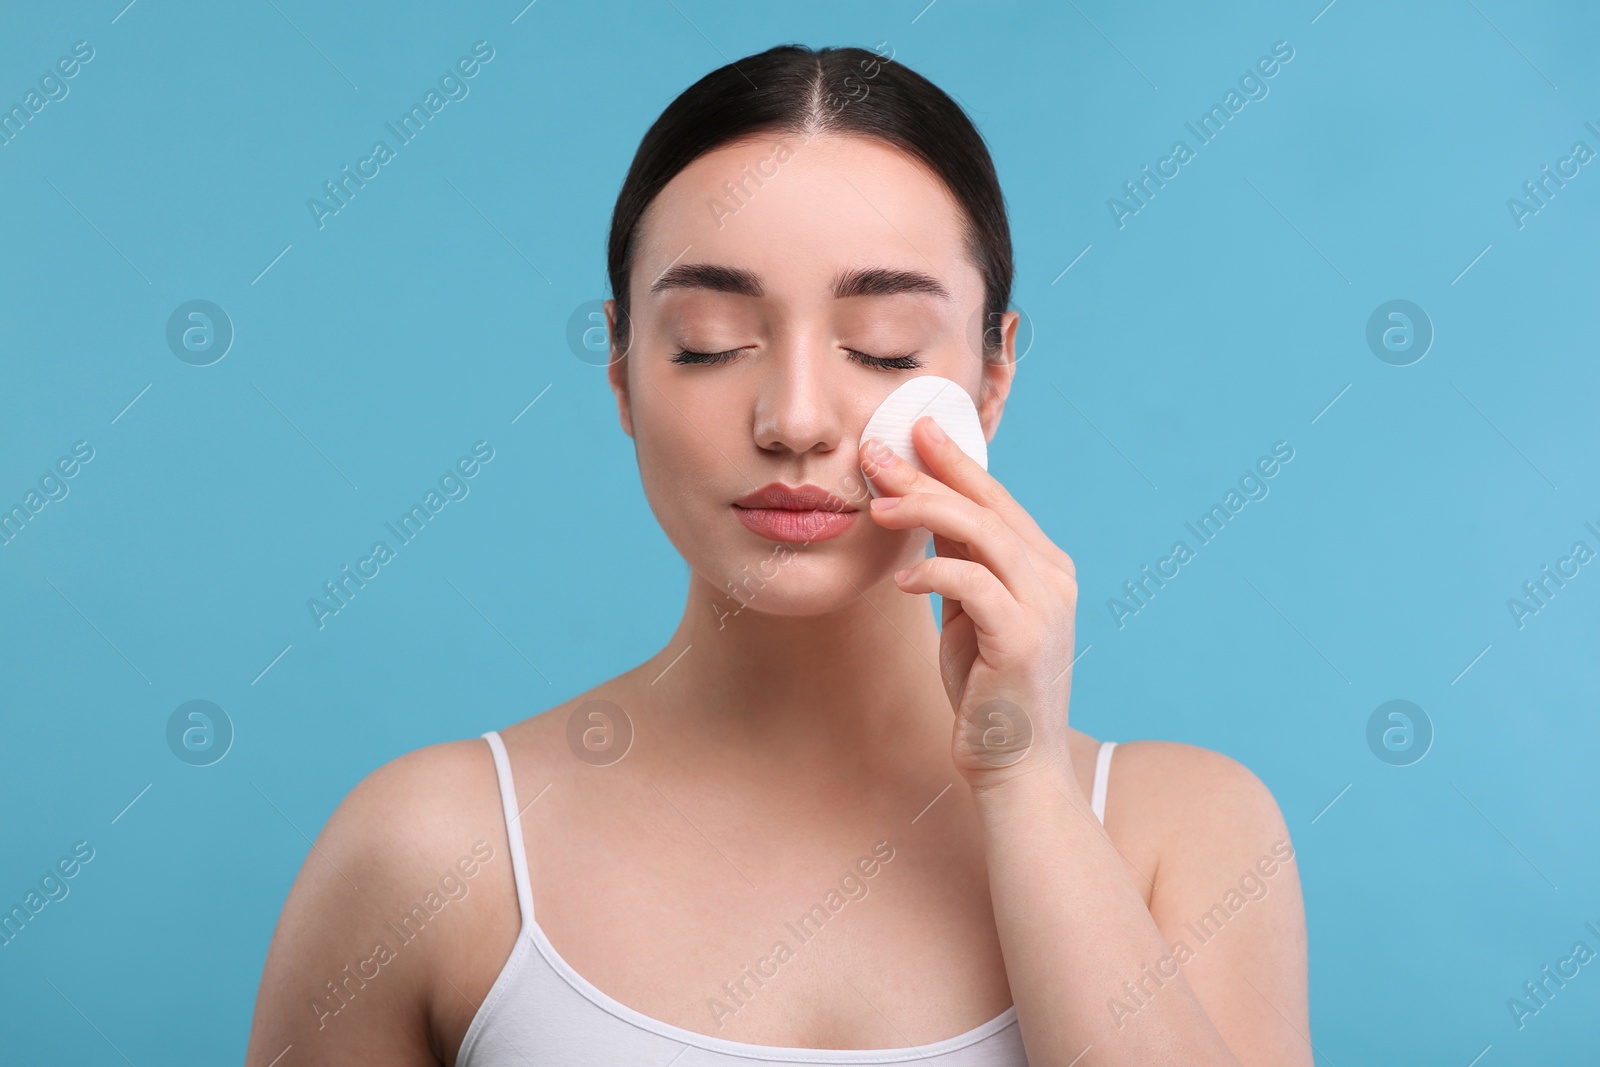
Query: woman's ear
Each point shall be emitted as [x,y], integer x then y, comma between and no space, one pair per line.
[617,369]
[999,371]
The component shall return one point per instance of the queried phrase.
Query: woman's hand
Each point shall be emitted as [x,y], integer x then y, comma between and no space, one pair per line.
[1010,596]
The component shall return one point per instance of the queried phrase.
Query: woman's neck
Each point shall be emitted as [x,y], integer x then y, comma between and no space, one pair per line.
[852,693]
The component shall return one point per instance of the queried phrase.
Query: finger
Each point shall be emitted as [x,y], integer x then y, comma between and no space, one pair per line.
[985,538]
[956,470]
[893,474]
[995,614]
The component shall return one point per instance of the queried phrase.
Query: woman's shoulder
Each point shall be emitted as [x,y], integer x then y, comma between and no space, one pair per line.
[1214,851]
[407,823]
[410,820]
[1195,813]
[412,838]
[594,726]
[431,805]
[426,795]
[442,787]
[1148,773]
[1170,786]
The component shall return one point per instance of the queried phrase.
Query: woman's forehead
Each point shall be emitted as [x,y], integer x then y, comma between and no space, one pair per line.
[799,214]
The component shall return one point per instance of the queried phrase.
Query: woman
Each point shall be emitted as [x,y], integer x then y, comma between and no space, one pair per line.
[773,842]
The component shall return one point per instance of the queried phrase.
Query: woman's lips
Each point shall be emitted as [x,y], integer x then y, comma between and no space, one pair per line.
[784,524]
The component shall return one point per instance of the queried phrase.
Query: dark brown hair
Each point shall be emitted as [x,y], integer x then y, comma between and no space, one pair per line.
[841,90]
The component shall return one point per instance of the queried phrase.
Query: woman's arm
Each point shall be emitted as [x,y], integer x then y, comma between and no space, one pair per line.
[1213,972]
[1074,928]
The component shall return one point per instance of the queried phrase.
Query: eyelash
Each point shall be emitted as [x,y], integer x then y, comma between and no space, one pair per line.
[689,358]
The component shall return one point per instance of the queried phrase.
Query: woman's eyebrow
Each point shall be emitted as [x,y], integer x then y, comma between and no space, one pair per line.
[882,281]
[867,281]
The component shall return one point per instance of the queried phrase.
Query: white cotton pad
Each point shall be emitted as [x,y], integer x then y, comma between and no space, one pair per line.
[927,394]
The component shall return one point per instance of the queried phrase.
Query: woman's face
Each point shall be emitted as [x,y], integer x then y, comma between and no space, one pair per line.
[797,259]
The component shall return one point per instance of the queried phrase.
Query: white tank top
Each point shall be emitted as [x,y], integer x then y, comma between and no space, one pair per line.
[540,1010]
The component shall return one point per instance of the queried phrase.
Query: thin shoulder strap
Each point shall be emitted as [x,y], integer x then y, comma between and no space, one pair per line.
[508,801]
[1102,771]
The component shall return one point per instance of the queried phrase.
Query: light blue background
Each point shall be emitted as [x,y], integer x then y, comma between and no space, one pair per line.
[1228,314]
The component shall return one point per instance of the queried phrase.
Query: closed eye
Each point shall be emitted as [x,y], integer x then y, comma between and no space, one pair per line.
[687,357]
[906,362]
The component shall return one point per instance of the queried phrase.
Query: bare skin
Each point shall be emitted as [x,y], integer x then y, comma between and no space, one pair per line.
[778,737]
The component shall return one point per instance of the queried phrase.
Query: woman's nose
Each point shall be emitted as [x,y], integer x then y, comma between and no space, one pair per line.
[798,408]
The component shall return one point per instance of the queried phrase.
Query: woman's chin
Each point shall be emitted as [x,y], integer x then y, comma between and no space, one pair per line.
[807,581]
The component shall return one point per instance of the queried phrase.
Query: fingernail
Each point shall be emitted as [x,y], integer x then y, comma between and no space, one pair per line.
[936,434]
[884,503]
[881,453]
